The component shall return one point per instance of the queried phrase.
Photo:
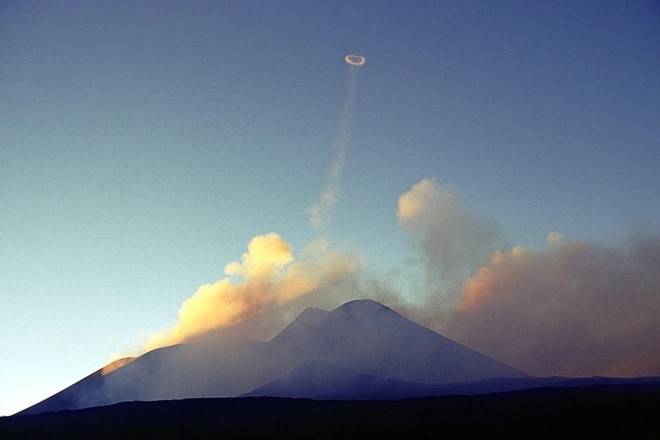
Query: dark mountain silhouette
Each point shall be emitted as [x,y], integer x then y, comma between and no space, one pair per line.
[361,349]
[600,411]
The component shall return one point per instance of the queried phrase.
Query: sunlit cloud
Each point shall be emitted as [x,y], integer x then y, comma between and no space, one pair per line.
[268,276]
[575,309]
[117,364]
[450,241]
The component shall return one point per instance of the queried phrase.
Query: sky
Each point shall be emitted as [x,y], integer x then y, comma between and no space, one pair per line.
[491,163]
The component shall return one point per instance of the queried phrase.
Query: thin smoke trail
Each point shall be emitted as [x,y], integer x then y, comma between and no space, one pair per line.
[319,213]
[267,275]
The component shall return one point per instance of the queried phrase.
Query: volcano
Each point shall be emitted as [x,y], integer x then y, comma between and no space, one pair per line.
[361,350]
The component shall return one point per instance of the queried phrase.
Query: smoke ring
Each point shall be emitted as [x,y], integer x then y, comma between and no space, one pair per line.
[355,60]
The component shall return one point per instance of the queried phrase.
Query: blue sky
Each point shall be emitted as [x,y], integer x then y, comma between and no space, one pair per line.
[144,144]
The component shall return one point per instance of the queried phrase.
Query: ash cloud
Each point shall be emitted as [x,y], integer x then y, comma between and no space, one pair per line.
[574,309]
[269,278]
[450,242]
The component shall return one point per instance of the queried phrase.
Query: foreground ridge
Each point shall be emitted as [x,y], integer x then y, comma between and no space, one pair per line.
[612,411]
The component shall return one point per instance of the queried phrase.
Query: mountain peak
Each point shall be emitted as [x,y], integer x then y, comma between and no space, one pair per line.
[350,315]
[359,349]
[362,305]
[368,337]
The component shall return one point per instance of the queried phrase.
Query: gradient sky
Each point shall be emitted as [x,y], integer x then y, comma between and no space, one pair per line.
[143,144]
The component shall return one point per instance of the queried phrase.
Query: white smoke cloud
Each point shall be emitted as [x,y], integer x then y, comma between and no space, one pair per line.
[319,213]
[270,277]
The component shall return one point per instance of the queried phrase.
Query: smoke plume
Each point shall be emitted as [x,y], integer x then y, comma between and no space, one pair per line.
[450,242]
[269,277]
[319,213]
[574,309]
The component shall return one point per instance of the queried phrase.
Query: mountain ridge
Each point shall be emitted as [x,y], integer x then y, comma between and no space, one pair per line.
[363,338]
